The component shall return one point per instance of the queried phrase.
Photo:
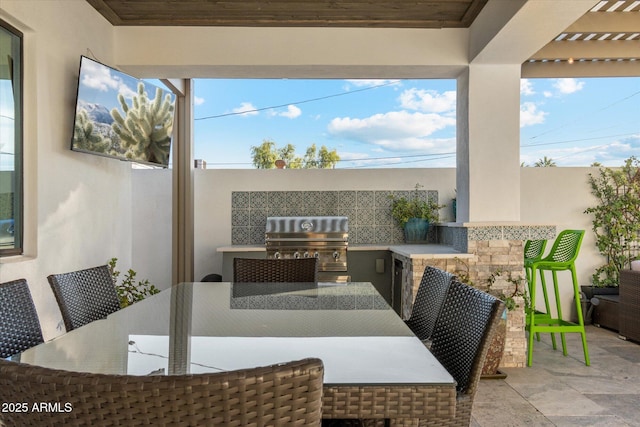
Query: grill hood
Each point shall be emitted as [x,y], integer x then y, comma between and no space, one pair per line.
[307,224]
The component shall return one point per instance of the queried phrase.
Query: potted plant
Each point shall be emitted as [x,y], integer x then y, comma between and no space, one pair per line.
[512,293]
[616,225]
[415,214]
[616,219]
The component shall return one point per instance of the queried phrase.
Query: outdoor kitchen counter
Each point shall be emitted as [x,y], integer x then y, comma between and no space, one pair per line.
[410,251]
[380,264]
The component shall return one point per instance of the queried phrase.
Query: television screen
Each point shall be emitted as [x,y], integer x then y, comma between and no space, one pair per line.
[122,117]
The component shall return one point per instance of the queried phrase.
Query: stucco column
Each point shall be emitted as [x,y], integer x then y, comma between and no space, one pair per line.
[488,143]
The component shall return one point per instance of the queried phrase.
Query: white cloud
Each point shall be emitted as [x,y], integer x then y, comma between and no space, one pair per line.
[429,101]
[246,109]
[611,153]
[197,100]
[291,113]
[98,77]
[397,130]
[526,87]
[530,115]
[126,91]
[568,85]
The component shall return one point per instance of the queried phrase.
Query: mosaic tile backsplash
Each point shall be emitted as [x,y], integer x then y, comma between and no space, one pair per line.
[369,212]
[459,237]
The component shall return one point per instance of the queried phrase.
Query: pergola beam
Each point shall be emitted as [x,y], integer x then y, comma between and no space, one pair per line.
[604,22]
[515,39]
[589,49]
[580,69]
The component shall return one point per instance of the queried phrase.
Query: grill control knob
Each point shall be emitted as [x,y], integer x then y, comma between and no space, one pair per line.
[306,254]
[336,255]
[276,255]
[296,254]
[316,254]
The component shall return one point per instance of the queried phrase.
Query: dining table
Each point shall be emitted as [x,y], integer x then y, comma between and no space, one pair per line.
[374,366]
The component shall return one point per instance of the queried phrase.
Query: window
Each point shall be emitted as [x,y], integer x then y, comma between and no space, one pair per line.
[10,140]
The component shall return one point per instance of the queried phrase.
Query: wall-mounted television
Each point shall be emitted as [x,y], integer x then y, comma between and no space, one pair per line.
[122,117]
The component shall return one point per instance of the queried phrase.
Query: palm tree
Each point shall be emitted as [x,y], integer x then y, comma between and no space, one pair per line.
[545,162]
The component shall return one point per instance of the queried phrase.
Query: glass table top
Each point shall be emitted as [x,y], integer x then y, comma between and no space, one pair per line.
[209,327]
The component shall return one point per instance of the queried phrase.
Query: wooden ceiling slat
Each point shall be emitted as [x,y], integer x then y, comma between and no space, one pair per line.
[352,13]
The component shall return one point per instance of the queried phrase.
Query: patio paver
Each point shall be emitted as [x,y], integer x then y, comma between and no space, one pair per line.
[562,391]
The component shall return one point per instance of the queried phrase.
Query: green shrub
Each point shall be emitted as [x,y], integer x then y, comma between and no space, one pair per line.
[129,291]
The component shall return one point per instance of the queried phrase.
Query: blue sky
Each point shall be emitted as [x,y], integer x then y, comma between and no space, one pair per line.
[386,123]
[410,123]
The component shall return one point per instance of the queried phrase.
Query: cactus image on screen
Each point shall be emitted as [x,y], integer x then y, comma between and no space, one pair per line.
[116,116]
[145,130]
[85,135]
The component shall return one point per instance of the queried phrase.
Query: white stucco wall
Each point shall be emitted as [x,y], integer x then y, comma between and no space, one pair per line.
[152,212]
[77,206]
[560,196]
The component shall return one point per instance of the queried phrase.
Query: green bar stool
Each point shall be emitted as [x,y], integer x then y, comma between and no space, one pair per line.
[561,257]
[533,251]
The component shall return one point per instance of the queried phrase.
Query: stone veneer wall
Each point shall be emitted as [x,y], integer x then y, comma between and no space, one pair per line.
[369,212]
[487,249]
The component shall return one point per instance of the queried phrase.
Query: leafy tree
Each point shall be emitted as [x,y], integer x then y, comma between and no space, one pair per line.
[545,162]
[616,218]
[327,159]
[264,156]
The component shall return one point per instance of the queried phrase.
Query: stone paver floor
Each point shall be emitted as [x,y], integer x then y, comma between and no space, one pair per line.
[562,391]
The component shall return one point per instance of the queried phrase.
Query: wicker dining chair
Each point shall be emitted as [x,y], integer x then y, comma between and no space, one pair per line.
[461,339]
[428,302]
[275,270]
[85,295]
[19,324]
[288,394]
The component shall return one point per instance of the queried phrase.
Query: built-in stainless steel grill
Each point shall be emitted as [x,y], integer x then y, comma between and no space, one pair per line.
[322,237]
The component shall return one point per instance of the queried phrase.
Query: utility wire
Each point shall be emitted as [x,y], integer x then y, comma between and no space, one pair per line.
[576,140]
[255,110]
[582,151]
[443,155]
[397,157]
[583,115]
[364,159]
[398,163]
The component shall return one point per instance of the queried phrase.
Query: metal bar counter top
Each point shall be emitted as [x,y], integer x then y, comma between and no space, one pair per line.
[374,366]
